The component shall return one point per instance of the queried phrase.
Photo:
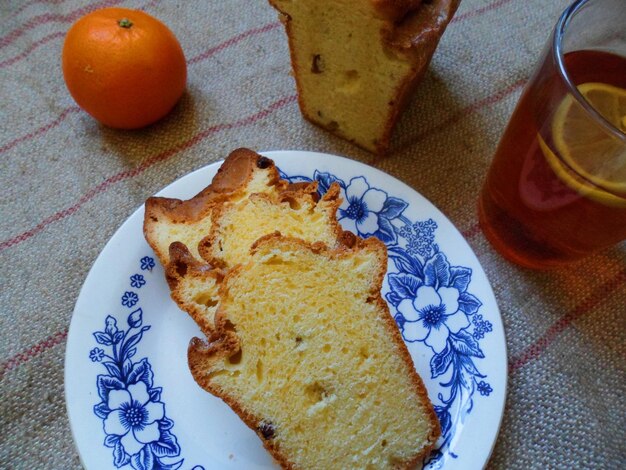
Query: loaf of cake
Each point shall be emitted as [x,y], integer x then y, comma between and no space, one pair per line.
[306,352]
[167,220]
[356,62]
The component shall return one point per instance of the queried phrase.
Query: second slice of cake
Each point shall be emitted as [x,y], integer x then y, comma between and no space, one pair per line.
[306,352]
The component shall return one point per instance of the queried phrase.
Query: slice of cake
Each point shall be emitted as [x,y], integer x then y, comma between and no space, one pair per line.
[166,220]
[245,201]
[306,352]
[355,62]
[296,211]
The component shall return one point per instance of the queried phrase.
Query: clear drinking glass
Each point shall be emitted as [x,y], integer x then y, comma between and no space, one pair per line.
[556,189]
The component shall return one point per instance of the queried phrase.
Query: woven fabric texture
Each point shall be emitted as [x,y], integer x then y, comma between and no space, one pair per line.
[67,183]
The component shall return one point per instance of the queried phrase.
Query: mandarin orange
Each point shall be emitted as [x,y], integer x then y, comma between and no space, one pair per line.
[124,67]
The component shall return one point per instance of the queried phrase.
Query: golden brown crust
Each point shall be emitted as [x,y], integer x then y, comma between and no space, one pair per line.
[232,177]
[417,37]
[184,265]
[418,32]
[308,187]
[238,168]
[395,10]
[202,356]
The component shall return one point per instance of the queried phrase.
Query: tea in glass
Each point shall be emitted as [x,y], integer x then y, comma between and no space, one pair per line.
[556,189]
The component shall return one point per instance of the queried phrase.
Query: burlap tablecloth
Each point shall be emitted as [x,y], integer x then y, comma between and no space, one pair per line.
[68,183]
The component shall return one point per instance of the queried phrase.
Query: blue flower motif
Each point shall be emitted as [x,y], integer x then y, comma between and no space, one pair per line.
[96,354]
[360,209]
[134,319]
[147,263]
[478,333]
[481,327]
[133,417]
[111,326]
[137,280]
[420,237]
[432,315]
[129,299]
[484,388]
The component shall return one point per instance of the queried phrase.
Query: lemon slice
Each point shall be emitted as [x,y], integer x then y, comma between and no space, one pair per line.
[584,145]
[576,182]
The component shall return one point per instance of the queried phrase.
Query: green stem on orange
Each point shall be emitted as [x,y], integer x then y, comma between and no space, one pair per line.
[125,23]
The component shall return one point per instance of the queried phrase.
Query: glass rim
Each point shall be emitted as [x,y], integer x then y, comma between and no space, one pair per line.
[557,53]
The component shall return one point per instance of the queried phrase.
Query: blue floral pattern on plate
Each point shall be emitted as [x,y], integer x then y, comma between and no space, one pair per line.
[427,295]
[132,412]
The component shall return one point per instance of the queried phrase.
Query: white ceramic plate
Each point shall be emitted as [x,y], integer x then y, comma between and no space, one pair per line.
[132,402]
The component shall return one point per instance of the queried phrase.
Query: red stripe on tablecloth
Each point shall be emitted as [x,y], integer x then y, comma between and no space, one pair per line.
[47,39]
[535,350]
[33,351]
[31,48]
[472,108]
[492,99]
[232,41]
[66,112]
[54,18]
[163,156]
[31,3]
[480,11]
[205,55]
[472,231]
